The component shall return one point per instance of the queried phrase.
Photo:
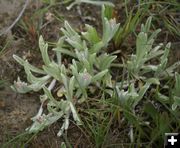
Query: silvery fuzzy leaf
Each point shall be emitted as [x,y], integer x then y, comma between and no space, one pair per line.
[84,79]
[176,90]
[72,37]
[35,86]
[63,69]
[163,60]
[87,66]
[81,55]
[65,51]
[40,111]
[65,81]
[176,102]
[174,106]
[109,29]
[75,114]
[149,68]
[64,106]
[43,98]
[105,60]
[141,42]
[36,125]
[61,130]
[66,123]
[49,95]
[43,121]
[154,54]
[91,35]
[154,34]
[53,70]
[19,60]
[162,97]
[99,3]
[169,72]
[20,86]
[141,93]
[98,77]
[153,81]
[59,46]
[38,85]
[108,80]
[145,28]
[31,78]
[26,63]
[69,32]
[156,48]
[75,44]
[92,59]
[122,95]
[97,47]
[44,50]
[71,86]
[164,57]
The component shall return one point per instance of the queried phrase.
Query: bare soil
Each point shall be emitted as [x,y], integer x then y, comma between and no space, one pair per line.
[16,109]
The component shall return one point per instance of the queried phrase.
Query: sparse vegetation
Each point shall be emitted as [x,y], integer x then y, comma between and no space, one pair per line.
[114,99]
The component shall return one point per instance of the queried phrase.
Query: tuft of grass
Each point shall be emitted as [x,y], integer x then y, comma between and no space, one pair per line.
[165,13]
[21,140]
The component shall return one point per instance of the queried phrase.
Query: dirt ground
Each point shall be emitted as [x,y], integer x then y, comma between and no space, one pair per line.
[16,109]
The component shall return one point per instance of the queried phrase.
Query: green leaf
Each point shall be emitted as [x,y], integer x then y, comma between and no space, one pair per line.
[49,95]
[75,44]
[69,32]
[84,79]
[43,48]
[154,34]
[39,84]
[32,79]
[109,29]
[99,76]
[147,26]
[91,35]
[65,81]
[75,114]
[176,90]
[19,60]
[177,100]
[97,47]
[71,86]
[31,67]
[105,60]
[63,145]
[141,43]
[108,12]
[20,86]
[153,81]
[93,2]
[66,51]
[162,98]
[141,93]
[53,70]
